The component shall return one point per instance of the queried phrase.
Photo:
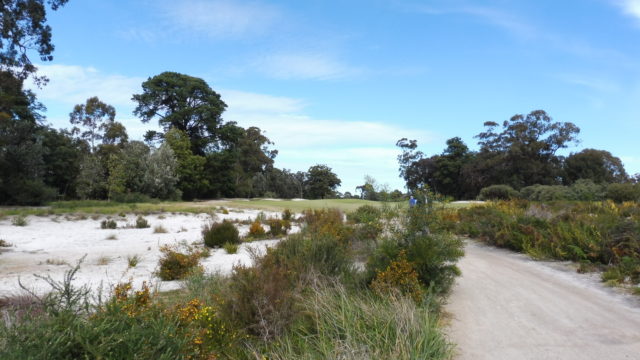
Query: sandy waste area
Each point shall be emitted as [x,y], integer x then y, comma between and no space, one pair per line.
[49,245]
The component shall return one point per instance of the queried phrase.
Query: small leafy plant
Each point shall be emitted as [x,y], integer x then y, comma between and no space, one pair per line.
[108,224]
[217,234]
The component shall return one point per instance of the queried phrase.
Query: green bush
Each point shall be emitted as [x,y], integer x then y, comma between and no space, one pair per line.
[587,190]
[365,214]
[108,224]
[498,192]
[230,248]
[19,220]
[142,223]
[217,234]
[546,193]
[277,227]
[287,215]
[433,255]
[623,192]
[178,261]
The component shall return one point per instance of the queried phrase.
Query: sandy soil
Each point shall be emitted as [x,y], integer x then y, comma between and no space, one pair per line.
[507,306]
[48,244]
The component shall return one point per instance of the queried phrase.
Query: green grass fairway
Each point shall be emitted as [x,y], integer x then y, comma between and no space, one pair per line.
[110,208]
[345,205]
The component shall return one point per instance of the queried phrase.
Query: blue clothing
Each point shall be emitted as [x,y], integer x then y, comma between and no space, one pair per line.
[412,202]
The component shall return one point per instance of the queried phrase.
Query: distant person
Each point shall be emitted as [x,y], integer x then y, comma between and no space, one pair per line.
[412,201]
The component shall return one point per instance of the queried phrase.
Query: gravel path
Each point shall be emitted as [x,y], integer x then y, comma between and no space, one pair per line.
[506,306]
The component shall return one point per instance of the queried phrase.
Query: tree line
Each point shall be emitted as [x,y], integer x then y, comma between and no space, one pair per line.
[519,153]
[196,154]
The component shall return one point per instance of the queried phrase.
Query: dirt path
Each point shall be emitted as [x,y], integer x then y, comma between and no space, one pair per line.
[506,306]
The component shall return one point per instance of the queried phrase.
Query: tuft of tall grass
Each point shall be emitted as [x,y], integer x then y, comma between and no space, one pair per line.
[343,324]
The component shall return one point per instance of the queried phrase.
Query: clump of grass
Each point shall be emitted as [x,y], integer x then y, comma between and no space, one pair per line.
[56,262]
[95,217]
[19,220]
[347,325]
[108,224]
[112,237]
[161,217]
[142,223]
[122,214]
[230,248]
[159,229]
[5,243]
[217,234]
[224,211]
[132,261]
[103,260]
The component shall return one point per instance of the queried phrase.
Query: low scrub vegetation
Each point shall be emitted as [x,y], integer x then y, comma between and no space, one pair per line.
[303,299]
[217,234]
[178,261]
[141,223]
[108,224]
[604,233]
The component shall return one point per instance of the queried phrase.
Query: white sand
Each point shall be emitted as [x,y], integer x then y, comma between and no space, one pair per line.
[46,243]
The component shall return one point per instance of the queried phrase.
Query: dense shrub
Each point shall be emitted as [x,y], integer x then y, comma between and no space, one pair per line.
[142,223]
[433,255]
[217,234]
[545,193]
[587,190]
[365,214]
[623,192]
[277,227]
[108,224]
[606,233]
[287,215]
[177,261]
[498,192]
[256,230]
[19,220]
[400,276]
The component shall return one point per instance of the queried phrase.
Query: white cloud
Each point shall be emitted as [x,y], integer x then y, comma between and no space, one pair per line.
[241,101]
[630,7]
[70,84]
[304,65]
[220,18]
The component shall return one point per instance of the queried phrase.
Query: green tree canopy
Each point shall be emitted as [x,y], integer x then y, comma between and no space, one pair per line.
[597,165]
[321,182]
[183,102]
[98,122]
[24,28]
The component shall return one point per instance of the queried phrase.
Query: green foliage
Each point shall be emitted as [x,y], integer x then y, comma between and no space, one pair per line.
[598,166]
[178,261]
[623,192]
[190,167]
[545,193]
[24,29]
[230,248]
[169,96]
[19,220]
[95,117]
[277,227]
[365,214]
[433,255]
[142,223]
[287,215]
[217,234]
[341,324]
[598,233]
[320,182]
[108,224]
[65,325]
[498,192]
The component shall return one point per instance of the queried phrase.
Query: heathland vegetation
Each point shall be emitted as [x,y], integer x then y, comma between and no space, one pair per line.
[366,288]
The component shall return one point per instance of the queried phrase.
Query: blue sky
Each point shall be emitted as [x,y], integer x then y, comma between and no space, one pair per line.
[339,82]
